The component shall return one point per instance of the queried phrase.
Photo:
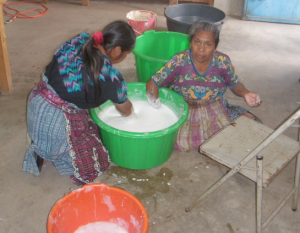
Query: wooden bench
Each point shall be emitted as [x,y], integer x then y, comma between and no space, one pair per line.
[5,75]
[171,2]
[209,2]
[84,2]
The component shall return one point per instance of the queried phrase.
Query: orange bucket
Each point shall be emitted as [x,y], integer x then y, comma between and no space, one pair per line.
[141,20]
[95,203]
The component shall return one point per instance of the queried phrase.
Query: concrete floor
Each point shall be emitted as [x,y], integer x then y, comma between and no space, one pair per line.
[266,57]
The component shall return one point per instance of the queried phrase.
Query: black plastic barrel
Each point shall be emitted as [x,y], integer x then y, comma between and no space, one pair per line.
[181,16]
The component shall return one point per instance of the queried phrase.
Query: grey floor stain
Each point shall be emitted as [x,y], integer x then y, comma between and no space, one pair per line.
[146,185]
[230,228]
[142,185]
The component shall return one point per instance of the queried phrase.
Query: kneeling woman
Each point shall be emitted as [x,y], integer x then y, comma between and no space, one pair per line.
[79,77]
[201,76]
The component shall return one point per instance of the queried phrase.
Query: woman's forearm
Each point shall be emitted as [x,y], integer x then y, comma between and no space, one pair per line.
[251,98]
[239,90]
[152,89]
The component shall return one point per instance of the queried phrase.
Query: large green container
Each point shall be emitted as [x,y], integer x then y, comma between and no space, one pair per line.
[153,50]
[142,150]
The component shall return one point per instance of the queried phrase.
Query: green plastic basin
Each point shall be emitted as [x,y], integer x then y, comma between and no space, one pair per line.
[153,50]
[142,150]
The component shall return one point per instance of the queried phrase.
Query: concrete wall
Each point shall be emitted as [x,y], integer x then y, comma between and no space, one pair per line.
[231,7]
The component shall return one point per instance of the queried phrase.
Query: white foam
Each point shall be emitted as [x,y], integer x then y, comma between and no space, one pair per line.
[101,227]
[107,200]
[148,119]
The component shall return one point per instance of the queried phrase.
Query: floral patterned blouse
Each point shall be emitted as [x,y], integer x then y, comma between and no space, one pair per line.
[180,75]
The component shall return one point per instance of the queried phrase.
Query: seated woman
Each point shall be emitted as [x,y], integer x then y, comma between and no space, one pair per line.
[201,76]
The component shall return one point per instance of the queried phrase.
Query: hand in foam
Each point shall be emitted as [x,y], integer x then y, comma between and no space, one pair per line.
[131,117]
[155,103]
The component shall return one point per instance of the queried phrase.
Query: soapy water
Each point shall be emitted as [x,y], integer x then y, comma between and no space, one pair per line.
[101,227]
[148,119]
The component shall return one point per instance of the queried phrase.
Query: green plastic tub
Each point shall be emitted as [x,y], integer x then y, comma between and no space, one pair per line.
[142,150]
[153,50]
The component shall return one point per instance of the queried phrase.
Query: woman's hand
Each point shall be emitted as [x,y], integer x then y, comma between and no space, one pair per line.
[252,99]
[125,109]
[152,94]
[155,103]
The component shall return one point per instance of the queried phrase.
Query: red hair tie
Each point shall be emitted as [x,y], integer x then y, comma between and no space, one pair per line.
[98,37]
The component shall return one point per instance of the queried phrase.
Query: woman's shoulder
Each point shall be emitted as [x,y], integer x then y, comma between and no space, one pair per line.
[74,44]
[81,37]
[185,54]
[219,56]
[109,73]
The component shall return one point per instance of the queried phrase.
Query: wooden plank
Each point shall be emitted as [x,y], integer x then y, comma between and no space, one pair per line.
[85,2]
[211,2]
[173,2]
[5,75]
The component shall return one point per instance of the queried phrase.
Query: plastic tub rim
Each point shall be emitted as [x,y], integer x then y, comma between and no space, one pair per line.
[158,133]
[138,202]
[135,52]
[189,24]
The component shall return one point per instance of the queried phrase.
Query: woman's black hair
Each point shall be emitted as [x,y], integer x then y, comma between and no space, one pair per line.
[205,26]
[117,33]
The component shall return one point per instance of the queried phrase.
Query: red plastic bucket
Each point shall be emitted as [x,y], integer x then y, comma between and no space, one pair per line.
[94,203]
[141,20]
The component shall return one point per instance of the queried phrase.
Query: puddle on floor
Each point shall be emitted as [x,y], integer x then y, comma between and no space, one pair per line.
[145,185]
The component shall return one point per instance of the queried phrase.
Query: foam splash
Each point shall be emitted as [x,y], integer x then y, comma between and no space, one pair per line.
[121,222]
[135,222]
[107,200]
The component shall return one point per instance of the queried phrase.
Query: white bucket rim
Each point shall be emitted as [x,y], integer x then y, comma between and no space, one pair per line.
[153,15]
